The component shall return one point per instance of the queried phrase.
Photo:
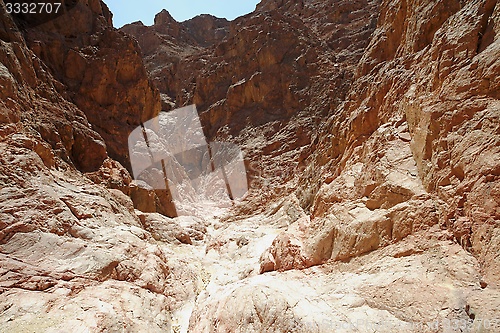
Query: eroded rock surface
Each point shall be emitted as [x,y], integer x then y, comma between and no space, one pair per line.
[426,97]
[371,138]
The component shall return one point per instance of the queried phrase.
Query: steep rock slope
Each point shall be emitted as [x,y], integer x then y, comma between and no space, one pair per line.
[102,73]
[111,87]
[168,41]
[422,122]
[364,126]
[71,243]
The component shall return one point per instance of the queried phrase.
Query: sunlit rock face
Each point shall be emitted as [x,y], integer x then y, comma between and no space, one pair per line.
[101,71]
[313,166]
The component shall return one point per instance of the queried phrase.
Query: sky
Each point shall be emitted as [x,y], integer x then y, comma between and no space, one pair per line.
[127,11]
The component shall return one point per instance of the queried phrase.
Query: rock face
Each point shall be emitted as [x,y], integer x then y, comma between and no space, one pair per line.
[168,41]
[371,136]
[102,72]
[429,95]
[266,84]
[67,227]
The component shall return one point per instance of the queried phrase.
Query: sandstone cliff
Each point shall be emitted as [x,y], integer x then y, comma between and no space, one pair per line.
[61,232]
[371,134]
[425,86]
[267,84]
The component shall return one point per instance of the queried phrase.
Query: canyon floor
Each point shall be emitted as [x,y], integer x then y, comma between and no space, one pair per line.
[425,283]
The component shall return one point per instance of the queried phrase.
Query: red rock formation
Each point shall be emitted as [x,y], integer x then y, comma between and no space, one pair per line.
[54,220]
[116,94]
[253,78]
[371,134]
[430,81]
[168,41]
[266,85]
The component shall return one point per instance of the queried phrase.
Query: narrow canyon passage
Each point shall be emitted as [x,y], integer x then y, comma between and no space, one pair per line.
[335,167]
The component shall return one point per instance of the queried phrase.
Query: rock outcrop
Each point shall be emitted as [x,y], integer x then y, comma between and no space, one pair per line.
[168,41]
[267,83]
[431,98]
[371,137]
[71,243]
[101,70]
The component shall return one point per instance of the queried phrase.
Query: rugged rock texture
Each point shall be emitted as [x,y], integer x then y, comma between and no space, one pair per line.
[371,133]
[432,96]
[74,254]
[390,290]
[168,41]
[268,84]
[102,73]
[101,69]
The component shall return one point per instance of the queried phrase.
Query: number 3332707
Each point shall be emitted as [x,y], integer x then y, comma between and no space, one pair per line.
[33,8]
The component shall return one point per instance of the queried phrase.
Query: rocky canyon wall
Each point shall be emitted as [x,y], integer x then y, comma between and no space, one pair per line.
[70,90]
[268,81]
[421,123]
[366,93]
[101,69]
[371,136]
